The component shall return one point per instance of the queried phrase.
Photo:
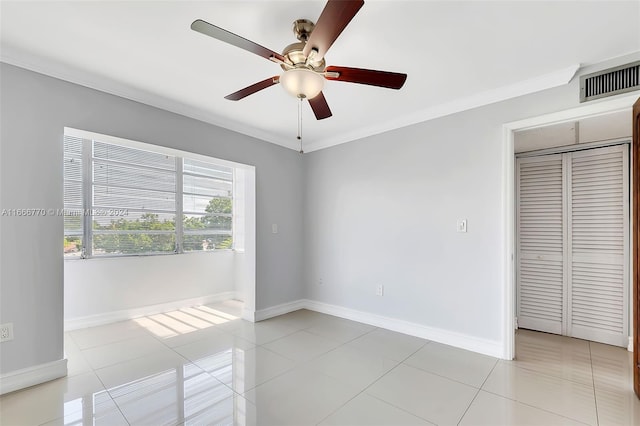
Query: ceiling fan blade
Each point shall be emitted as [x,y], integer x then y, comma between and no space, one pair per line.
[391,80]
[228,37]
[320,107]
[250,90]
[332,21]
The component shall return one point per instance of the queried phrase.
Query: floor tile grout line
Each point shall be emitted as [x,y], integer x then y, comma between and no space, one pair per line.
[342,344]
[308,330]
[390,370]
[297,364]
[399,408]
[133,359]
[490,373]
[68,333]
[194,363]
[262,345]
[92,393]
[477,393]
[468,406]
[106,389]
[95,370]
[83,358]
[541,373]
[306,363]
[315,357]
[595,396]
[369,385]
[270,341]
[185,361]
[288,370]
[446,377]
[534,406]
[143,332]
[256,345]
[230,332]
[535,372]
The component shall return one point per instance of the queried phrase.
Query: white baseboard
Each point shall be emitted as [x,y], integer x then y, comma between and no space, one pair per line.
[109,317]
[463,341]
[249,315]
[459,340]
[281,309]
[20,379]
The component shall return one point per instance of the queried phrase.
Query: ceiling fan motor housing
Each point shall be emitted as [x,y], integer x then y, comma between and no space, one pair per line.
[302,28]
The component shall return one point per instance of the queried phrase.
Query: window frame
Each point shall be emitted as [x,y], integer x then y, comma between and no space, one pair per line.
[88,160]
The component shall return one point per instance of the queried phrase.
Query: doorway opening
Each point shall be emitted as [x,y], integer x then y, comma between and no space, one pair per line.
[572,257]
[597,112]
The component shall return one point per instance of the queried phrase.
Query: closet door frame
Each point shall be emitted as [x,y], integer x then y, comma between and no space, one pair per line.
[566,153]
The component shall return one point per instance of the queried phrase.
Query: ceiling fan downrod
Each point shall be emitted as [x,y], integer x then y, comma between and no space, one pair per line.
[299,137]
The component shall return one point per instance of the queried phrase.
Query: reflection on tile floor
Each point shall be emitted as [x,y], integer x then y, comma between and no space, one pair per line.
[204,365]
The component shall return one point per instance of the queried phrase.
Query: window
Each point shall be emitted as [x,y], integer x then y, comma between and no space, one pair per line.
[73,196]
[133,194]
[207,206]
[125,200]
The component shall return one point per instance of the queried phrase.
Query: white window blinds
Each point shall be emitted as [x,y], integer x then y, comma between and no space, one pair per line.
[126,201]
[73,197]
[207,205]
[134,201]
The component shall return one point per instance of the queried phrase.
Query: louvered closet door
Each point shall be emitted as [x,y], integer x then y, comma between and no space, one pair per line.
[539,218]
[598,257]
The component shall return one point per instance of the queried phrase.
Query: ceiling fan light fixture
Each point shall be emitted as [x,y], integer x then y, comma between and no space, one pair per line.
[302,82]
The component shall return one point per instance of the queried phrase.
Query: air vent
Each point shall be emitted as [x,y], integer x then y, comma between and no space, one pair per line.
[610,82]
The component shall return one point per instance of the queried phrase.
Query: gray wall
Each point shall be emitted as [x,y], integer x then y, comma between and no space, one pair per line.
[34,111]
[383,210]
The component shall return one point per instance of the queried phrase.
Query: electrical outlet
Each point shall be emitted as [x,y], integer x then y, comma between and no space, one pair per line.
[380,290]
[6,332]
[320,282]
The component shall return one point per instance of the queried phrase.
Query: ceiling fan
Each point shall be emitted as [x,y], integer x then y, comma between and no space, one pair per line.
[303,62]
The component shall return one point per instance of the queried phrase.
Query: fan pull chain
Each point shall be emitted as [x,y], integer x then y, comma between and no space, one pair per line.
[300,125]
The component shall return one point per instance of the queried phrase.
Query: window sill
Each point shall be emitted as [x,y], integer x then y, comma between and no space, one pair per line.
[137,256]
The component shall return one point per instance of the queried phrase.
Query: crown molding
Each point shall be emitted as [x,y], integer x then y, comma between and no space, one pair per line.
[112,87]
[108,85]
[543,82]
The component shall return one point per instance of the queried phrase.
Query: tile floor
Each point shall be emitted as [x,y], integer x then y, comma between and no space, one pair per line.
[204,365]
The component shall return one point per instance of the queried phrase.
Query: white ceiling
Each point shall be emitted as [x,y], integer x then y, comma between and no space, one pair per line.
[456,54]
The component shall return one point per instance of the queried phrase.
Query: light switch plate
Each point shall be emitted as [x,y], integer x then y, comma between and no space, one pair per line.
[274,228]
[462,225]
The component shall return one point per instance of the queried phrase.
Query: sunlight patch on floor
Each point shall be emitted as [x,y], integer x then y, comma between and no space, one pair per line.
[183,321]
